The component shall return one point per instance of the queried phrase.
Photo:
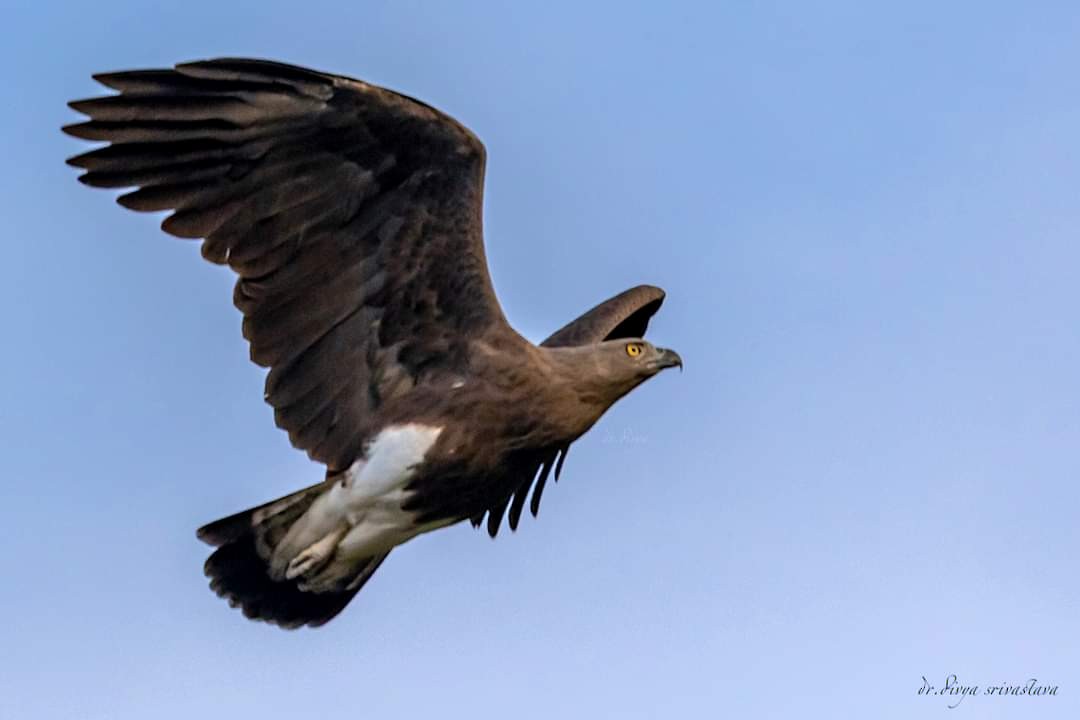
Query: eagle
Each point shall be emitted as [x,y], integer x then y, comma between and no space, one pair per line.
[351,216]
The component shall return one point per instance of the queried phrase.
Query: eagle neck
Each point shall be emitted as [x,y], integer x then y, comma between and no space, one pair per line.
[579,389]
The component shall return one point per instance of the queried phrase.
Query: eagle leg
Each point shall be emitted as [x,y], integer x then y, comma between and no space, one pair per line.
[315,556]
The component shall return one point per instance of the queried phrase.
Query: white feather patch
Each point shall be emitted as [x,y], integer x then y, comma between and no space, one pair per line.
[378,481]
[372,495]
[366,503]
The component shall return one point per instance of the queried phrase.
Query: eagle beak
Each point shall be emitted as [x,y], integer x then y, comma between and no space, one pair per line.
[668,358]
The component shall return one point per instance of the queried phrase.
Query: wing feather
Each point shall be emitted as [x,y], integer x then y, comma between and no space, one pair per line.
[350,213]
[624,316]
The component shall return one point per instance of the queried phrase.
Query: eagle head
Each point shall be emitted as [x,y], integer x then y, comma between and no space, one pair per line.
[625,363]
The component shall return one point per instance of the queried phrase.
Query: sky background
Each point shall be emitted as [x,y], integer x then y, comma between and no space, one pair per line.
[867,223]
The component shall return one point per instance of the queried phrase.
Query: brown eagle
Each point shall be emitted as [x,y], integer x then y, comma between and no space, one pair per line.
[352,217]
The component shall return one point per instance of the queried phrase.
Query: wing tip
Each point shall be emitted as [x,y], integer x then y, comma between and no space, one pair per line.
[76,161]
[85,130]
[85,106]
[131,201]
[656,292]
[206,535]
[108,79]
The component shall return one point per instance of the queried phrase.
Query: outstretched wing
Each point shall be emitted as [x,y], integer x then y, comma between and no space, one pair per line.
[350,213]
[624,316]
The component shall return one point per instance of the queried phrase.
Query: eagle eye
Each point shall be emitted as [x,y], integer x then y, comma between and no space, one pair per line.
[633,349]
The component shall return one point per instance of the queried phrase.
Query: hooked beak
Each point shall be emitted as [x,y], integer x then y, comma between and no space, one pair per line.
[668,358]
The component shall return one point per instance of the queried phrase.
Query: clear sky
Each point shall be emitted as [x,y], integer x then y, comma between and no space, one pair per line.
[867,223]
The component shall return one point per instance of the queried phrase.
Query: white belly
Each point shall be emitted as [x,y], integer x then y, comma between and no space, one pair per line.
[373,491]
[365,507]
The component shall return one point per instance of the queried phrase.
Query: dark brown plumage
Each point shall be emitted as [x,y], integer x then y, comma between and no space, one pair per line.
[352,217]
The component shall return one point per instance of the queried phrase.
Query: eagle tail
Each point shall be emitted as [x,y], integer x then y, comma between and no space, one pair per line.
[239,572]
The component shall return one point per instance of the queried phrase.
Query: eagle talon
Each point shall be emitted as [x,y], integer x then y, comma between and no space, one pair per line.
[315,557]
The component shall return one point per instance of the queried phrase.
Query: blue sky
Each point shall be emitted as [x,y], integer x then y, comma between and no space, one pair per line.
[866,219]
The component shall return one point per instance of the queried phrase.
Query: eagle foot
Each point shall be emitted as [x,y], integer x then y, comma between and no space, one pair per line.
[315,556]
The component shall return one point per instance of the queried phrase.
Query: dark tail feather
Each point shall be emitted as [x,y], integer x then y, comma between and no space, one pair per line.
[238,572]
[235,526]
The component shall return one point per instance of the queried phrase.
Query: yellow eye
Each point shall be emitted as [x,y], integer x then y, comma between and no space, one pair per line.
[633,349]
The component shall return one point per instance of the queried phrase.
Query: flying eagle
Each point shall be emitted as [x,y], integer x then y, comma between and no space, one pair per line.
[351,215]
